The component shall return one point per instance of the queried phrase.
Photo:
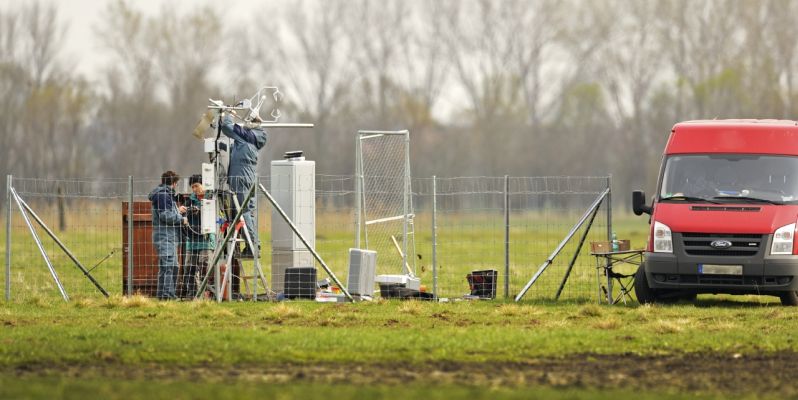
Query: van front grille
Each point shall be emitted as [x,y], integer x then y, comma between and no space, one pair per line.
[742,244]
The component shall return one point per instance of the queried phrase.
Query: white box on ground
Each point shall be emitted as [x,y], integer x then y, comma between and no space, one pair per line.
[293,185]
[208,216]
[410,282]
[208,176]
[362,267]
[282,260]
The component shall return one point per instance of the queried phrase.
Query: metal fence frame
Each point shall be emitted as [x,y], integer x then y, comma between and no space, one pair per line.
[434,239]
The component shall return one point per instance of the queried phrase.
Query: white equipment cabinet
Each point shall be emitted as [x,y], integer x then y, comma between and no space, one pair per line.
[362,267]
[293,185]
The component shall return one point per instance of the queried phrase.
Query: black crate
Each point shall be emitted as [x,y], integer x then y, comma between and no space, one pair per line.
[391,290]
[483,283]
[300,283]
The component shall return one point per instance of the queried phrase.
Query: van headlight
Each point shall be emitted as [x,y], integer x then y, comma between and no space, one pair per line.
[662,238]
[783,239]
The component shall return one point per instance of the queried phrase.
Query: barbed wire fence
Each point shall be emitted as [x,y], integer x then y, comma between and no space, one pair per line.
[508,225]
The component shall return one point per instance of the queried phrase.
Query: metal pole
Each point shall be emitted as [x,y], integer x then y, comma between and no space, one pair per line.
[562,244]
[40,246]
[405,204]
[130,235]
[305,242]
[358,188]
[576,254]
[285,125]
[63,247]
[506,236]
[609,237]
[255,250]
[434,238]
[8,237]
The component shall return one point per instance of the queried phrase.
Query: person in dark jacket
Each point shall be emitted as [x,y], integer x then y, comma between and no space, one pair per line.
[247,141]
[167,219]
[199,246]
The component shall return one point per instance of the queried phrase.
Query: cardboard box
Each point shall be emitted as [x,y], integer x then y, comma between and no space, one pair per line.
[606,247]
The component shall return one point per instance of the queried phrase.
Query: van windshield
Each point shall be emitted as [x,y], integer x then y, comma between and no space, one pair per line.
[725,178]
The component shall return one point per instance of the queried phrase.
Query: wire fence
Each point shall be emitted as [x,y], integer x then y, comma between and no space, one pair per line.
[509,225]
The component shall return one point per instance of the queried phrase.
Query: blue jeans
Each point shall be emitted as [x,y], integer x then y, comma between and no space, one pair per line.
[167,265]
[241,188]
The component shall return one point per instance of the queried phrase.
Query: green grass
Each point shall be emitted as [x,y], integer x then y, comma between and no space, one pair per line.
[138,330]
[91,346]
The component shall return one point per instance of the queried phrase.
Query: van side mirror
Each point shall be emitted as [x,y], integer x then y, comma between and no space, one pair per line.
[639,203]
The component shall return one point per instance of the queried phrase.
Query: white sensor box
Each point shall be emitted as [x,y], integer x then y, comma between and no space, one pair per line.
[208,176]
[208,216]
[209,145]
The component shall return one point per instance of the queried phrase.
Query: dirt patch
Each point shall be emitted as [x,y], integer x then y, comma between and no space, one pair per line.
[771,374]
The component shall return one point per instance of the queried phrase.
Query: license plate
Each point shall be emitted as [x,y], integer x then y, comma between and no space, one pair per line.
[714,269]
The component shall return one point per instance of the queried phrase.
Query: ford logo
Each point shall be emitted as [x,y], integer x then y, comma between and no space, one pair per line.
[721,244]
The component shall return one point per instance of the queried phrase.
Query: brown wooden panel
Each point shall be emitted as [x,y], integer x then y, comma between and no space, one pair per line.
[145,258]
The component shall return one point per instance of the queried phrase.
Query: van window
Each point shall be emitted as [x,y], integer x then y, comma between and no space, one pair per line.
[731,177]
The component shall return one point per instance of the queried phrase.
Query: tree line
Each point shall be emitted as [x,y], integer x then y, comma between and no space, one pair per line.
[525,88]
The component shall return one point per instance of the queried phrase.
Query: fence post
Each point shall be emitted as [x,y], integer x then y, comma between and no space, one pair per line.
[434,239]
[8,238]
[130,235]
[358,189]
[256,246]
[506,236]
[609,235]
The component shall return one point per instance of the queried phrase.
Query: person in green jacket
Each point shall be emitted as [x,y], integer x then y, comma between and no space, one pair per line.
[199,247]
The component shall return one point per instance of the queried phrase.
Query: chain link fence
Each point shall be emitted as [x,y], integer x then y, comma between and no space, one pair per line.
[509,225]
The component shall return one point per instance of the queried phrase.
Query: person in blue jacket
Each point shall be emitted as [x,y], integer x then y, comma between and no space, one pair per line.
[167,220]
[247,141]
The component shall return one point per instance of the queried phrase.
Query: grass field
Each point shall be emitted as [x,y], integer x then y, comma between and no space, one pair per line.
[719,347]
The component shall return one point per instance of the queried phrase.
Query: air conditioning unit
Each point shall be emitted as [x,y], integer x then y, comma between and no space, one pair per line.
[362,267]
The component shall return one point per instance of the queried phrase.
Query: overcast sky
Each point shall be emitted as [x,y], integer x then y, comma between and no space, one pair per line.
[82,17]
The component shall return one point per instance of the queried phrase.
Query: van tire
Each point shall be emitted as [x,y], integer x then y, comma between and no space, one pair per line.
[789,298]
[645,295]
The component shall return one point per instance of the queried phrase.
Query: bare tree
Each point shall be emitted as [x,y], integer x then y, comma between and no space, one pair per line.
[315,52]
[481,37]
[46,38]
[776,31]
[540,23]
[703,42]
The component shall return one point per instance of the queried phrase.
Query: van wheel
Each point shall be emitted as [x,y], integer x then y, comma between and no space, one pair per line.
[645,295]
[789,298]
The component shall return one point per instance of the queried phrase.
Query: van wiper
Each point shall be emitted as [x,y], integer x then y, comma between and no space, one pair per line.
[688,198]
[746,198]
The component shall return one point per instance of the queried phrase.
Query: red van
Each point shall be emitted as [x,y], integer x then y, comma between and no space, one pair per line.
[724,217]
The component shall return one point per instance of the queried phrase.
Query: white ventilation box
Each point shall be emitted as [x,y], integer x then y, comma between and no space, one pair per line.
[208,176]
[208,216]
[362,267]
[293,186]
[209,144]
